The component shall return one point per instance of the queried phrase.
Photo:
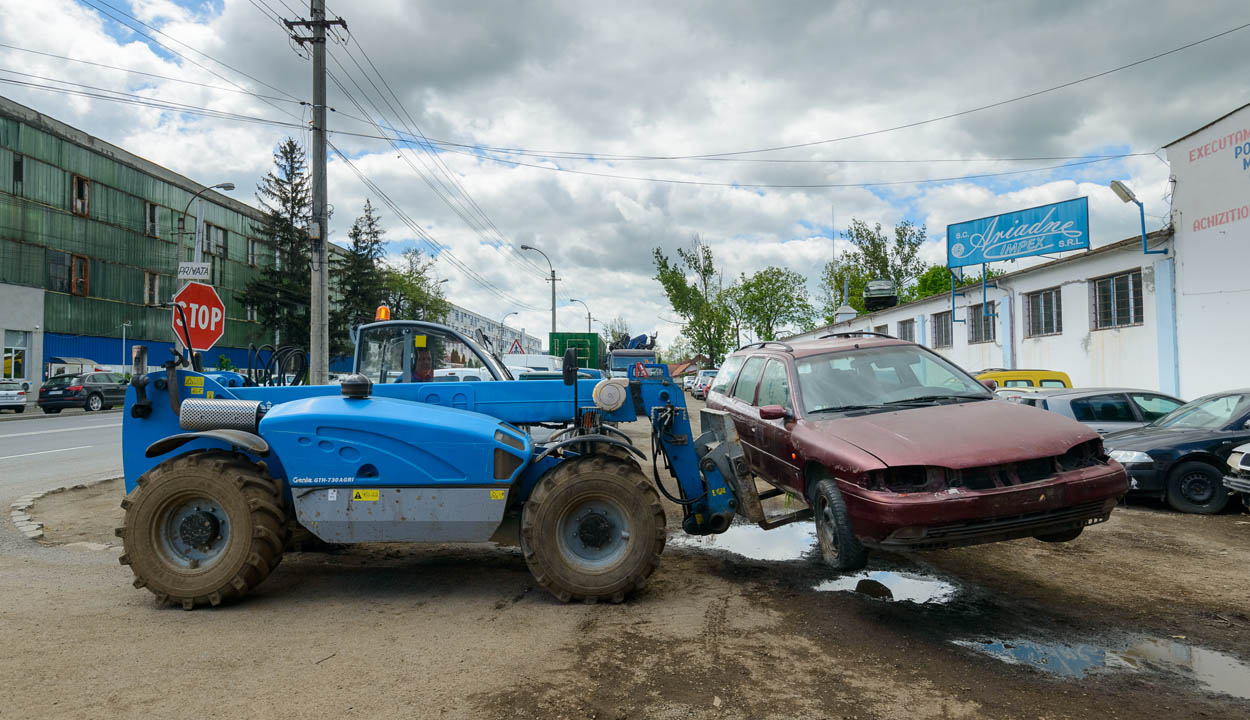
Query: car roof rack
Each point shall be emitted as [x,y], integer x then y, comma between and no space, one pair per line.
[854,333]
[761,344]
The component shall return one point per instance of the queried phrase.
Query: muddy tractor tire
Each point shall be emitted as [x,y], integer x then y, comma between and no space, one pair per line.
[593,530]
[839,547]
[203,528]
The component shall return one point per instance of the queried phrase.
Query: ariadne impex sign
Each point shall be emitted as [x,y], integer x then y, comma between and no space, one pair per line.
[1053,228]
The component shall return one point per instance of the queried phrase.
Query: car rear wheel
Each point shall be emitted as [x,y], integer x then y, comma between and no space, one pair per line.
[21,410]
[839,547]
[1197,487]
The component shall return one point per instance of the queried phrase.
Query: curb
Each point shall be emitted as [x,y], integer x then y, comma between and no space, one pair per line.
[27,525]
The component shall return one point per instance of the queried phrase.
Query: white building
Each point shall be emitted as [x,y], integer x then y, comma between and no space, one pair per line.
[502,336]
[1177,322]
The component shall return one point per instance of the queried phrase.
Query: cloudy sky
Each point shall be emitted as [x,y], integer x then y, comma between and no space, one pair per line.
[570,88]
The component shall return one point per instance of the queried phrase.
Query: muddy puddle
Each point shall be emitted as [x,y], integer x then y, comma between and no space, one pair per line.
[1216,671]
[788,542]
[892,585]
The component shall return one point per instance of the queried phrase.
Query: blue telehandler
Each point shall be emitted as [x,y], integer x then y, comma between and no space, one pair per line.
[221,471]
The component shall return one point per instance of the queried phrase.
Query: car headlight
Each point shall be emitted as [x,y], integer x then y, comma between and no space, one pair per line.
[1234,461]
[1124,457]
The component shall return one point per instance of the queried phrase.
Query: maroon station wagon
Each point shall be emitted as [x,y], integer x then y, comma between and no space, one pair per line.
[894,447]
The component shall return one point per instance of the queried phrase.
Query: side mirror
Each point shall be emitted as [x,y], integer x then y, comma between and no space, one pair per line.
[991,384]
[569,369]
[774,412]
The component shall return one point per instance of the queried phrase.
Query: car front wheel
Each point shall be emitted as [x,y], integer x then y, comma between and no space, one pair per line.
[839,547]
[1196,487]
[94,403]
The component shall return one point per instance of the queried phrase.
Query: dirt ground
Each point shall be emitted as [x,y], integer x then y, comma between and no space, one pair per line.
[463,632]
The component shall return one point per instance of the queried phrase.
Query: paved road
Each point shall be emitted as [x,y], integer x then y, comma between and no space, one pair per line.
[47,452]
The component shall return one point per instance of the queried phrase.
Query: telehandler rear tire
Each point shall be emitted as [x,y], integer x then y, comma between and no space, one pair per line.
[593,529]
[203,528]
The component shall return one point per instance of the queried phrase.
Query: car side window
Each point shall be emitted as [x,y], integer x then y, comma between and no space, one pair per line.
[1053,383]
[774,385]
[1153,407]
[1019,383]
[1102,408]
[119,379]
[725,376]
[748,379]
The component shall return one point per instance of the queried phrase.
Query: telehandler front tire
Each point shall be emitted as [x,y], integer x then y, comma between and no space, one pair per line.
[203,528]
[593,529]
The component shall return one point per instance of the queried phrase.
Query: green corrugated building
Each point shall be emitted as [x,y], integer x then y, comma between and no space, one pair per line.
[89,241]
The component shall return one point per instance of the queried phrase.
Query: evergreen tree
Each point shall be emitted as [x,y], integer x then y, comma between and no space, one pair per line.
[281,294]
[361,278]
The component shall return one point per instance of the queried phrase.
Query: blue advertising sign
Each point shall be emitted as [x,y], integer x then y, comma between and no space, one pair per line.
[1057,227]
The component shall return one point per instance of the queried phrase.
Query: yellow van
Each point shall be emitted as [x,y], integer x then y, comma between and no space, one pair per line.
[1026,378]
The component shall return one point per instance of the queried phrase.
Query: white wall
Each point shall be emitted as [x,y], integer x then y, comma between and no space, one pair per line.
[21,308]
[1211,214]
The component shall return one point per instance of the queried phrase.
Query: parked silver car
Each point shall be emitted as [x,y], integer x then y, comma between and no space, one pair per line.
[1106,410]
[12,396]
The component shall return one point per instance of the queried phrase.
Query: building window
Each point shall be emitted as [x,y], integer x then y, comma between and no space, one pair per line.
[81,191]
[1117,300]
[19,170]
[15,344]
[251,251]
[80,270]
[151,288]
[883,329]
[215,240]
[942,329]
[152,227]
[58,270]
[981,325]
[1043,313]
[251,313]
[907,330]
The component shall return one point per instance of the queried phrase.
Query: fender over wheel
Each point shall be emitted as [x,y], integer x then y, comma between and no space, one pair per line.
[203,528]
[593,529]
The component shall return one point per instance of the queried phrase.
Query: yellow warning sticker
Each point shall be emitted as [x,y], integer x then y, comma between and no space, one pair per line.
[367,495]
[196,390]
[418,341]
[209,394]
[498,494]
[194,381]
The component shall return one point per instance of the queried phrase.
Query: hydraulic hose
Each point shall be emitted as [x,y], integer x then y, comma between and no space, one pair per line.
[664,418]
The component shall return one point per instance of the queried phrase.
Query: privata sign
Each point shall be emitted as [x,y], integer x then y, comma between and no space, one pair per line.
[1053,228]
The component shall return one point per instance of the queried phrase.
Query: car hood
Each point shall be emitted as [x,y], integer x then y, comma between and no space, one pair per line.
[1155,438]
[963,435]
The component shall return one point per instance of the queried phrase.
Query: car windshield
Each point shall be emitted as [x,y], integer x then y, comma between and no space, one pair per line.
[60,381]
[1212,412]
[891,377]
[404,352]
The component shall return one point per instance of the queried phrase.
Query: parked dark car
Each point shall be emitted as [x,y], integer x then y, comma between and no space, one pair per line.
[12,396]
[1106,410]
[89,391]
[895,447]
[1183,456]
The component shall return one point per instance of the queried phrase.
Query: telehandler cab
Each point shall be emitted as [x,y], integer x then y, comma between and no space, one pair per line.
[219,470]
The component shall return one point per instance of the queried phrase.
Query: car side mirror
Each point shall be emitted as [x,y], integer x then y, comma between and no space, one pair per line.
[569,368]
[774,412]
[991,384]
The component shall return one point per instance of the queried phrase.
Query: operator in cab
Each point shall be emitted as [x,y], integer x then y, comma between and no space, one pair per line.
[422,369]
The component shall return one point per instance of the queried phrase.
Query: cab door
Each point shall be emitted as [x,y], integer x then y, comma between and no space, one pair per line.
[775,447]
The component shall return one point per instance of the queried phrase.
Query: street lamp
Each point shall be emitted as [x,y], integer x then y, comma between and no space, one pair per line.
[553,283]
[199,215]
[501,322]
[1123,192]
[587,312]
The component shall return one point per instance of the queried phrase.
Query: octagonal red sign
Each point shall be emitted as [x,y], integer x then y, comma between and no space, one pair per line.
[205,316]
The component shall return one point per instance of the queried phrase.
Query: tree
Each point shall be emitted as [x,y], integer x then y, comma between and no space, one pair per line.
[873,257]
[697,302]
[772,298]
[679,350]
[614,329]
[937,280]
[412,292]
[362,278]
[281,294]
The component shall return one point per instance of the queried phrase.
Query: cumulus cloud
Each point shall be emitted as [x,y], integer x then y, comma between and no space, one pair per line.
[652,78]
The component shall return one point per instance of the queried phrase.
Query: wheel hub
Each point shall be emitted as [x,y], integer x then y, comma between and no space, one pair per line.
[594,530]
[199,528]
[1197,488]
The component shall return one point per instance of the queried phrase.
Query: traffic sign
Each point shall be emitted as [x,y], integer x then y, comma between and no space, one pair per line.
[516,348]
[205,316]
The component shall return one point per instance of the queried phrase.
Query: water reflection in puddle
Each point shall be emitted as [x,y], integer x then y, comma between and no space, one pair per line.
[889,585]
[788,542]
[1215,670]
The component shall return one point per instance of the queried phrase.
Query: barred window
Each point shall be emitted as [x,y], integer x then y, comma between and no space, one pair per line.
[152,227]
[251,251]
[1117,300]
[80,188]
[907,330]
[58,270]
[982,323]
[942,336]
[1043,313]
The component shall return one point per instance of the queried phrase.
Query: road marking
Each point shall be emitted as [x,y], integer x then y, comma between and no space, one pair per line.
[58,430]
[45,452]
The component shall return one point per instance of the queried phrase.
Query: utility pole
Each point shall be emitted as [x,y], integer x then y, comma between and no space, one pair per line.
[319,307]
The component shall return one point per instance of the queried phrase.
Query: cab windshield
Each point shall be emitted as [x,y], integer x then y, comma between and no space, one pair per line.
[1212,413]
[890,377]
[405,352]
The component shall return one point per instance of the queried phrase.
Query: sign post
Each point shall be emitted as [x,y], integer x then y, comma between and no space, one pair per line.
[205,316]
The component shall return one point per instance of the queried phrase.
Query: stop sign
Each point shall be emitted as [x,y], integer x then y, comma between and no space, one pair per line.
[205,314]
